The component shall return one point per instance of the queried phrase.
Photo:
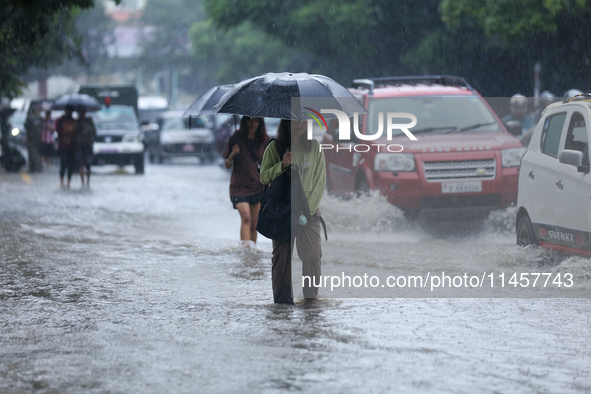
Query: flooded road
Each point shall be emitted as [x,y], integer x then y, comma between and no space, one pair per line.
[139,285]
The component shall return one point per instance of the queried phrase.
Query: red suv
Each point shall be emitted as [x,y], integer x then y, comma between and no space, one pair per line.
[462,163]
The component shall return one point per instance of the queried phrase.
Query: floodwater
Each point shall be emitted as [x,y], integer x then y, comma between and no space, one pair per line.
[139,285]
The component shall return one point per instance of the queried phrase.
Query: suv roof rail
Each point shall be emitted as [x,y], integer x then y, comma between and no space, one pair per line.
[446,80]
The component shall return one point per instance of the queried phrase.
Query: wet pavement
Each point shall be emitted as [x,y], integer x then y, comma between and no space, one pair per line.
[139,284]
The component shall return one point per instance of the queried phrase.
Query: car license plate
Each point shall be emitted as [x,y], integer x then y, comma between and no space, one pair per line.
[188,148]
[461,187]
[108,151]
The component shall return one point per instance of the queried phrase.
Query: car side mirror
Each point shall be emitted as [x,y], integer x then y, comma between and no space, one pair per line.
[514,127]
[573,158]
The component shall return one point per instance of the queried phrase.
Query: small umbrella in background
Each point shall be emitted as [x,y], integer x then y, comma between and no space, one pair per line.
[270,95]
[78,101]
[204,103]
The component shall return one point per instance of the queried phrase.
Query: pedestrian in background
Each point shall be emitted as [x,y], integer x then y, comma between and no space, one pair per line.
[520,112]
[33,125]
[244,152]
[307,162]
[546,98]
[46,149]
[85,135]
[66,136]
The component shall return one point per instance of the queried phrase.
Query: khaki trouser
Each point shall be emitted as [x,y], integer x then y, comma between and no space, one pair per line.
[308,246]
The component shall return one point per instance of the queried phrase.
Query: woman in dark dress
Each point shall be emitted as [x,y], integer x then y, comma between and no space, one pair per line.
[244,153]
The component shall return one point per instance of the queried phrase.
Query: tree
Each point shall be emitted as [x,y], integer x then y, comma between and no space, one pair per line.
[91,31]
[35,33]
[494,44]
[347,39]
[515,35]
[165,41]
[228,56]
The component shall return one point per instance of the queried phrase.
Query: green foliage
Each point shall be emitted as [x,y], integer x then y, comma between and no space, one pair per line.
[345,39]
[89,32]
[228,56]
[165,39]
[35,33]
[494,44]
[513,35]
[510,21]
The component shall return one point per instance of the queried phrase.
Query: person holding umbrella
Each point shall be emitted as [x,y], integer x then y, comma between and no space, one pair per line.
[244,152]
[85,135]
[293,150]
[288,96]
[66,137]
[67,129]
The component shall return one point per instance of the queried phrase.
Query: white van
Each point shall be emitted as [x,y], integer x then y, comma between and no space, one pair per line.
[554,197]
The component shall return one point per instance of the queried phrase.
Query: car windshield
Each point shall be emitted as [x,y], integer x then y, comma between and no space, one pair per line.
[18,118]
[181,123]
[435,115]
[150,115]
[115,119]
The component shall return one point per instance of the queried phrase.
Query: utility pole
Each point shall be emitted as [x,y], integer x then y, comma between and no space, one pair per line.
[174,84]
[537,84]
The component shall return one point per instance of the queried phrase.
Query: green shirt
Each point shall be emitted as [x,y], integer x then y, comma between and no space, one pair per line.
[312,163]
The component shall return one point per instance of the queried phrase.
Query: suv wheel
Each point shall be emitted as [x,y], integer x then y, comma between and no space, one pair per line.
[525,232]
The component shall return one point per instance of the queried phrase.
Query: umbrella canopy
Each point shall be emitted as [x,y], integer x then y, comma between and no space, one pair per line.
[271,95]
[78,101]
[204,103]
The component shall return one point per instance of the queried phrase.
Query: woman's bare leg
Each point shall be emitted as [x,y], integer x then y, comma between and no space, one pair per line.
[245,220]
[254,217]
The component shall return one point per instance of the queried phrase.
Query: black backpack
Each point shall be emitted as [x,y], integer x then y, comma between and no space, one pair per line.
[274,220]
[277,220]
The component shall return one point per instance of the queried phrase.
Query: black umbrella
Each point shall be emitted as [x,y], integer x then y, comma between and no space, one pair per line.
[270,95]
[78,101]
[204,103]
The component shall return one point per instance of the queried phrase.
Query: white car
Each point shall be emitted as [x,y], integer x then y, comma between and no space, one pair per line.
[118,139]
[554,198]
[179,137]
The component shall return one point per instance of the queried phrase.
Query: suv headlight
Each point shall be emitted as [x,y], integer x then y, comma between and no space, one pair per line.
[131,138]
[394,162]
[512,157]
